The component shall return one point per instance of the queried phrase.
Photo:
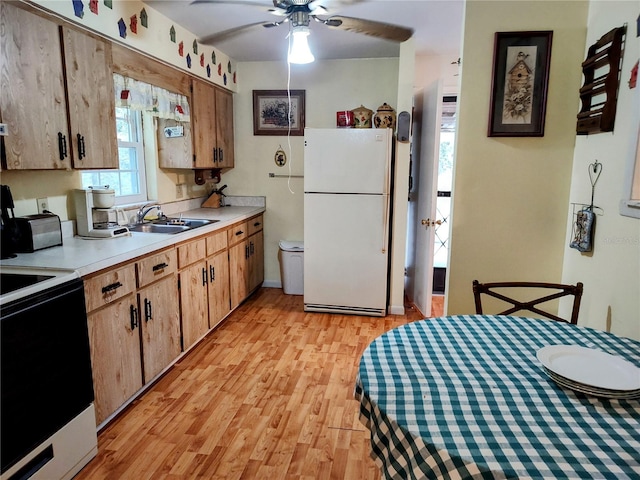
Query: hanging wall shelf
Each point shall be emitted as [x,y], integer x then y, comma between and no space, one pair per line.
[598,94]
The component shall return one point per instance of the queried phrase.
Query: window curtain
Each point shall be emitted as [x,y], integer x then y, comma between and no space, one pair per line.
[149,98]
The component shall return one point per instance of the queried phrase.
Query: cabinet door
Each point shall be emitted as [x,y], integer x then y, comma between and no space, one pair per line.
[194,303]
[90,93]
[256,260]
[224,128]
[203,124]
[114,336]
[239,272]
[160,320]
[174,151]
[219,299]
[32,95]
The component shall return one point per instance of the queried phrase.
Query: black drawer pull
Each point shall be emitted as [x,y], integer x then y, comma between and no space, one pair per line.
[111,287]
[160,266]
[62,145]
[220,155]
[239,232]
[133,312]
[257,224]
[81,150]
[204,276]
[212,273]
[215,155]
[148,314]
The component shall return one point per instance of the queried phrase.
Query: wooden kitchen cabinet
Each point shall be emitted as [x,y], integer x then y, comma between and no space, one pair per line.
[159,311]
[212,126]
[56,96]
[194,302]
[246,259]
[91,100]
[114,338]
[218,287]
[134,327]
[174,152]
[32,93]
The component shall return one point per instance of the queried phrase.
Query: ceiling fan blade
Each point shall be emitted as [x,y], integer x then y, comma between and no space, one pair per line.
[382,30]
[216,38]
[229,2]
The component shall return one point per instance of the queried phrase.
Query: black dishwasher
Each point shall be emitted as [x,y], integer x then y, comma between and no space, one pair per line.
[45,368]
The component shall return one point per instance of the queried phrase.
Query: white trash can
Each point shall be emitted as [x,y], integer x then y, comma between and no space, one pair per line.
[292,267]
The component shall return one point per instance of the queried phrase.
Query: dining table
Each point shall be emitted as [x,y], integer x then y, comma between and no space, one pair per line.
[466,396]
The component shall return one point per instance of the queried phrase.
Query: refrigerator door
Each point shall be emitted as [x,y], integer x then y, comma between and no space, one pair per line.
[345,253]
[348,160]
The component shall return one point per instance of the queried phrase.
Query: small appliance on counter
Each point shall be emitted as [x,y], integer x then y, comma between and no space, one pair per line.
[95,215]
[35,232]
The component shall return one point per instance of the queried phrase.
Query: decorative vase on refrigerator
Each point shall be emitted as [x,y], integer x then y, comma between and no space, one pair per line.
[347,182]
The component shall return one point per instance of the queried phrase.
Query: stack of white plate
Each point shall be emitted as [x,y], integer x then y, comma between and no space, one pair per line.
[591,371]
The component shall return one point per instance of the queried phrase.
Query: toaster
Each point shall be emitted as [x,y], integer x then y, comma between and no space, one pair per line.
[35,232]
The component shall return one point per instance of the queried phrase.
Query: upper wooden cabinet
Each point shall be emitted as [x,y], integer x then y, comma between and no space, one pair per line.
[53,125]
[91,101]
[32,95]
[212,126]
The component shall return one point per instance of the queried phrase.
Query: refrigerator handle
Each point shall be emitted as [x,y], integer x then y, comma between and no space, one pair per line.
[385,222]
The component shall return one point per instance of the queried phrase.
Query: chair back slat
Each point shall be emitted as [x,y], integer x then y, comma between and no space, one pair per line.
[480,289]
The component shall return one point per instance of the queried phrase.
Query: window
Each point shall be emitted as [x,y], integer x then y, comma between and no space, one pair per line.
[129,181]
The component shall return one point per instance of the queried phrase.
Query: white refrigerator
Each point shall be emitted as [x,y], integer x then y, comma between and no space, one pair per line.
[347,182]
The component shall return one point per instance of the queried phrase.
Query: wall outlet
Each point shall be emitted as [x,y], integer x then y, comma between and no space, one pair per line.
[43,204]
[180,190]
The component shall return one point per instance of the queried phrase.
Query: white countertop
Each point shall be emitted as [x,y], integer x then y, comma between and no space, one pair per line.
[86,256]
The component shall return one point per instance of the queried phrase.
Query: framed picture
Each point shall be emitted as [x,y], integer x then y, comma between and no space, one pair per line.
[519,85]
[276,112]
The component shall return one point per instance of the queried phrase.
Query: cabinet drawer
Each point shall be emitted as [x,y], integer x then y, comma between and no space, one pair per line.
[237,233]
[191,252]
[254,225]
[156,266]
[109,286]
[216,242]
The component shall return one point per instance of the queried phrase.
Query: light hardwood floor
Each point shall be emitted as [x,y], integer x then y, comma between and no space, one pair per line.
[267,395]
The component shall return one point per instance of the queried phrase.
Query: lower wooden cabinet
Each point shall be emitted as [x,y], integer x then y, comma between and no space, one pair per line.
[143,314]
[246,259]
[134,333]
[114,337]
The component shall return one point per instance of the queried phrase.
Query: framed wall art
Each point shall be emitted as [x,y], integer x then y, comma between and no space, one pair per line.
[519,84]
[278,112]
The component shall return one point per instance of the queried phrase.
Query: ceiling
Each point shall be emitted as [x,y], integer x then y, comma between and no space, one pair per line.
[437,25]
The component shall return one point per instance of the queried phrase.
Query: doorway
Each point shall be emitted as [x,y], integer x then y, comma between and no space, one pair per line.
[442,228]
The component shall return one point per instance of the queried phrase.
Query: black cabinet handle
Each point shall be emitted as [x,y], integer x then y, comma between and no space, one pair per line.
[239,232]
[111,287]
[160,266]
[246,251]
[133,312]
[81,150]
[148,314]
[204,276]
[251,249]
[212,273]
[220,155]
[62,145]
[215,155]
[257,224]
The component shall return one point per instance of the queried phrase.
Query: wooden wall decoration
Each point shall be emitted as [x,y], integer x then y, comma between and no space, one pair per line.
[598,94]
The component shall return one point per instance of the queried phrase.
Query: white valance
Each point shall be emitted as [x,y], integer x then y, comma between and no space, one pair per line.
[142,96]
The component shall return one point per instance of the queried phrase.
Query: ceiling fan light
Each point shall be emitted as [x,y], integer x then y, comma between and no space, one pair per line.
[299,51]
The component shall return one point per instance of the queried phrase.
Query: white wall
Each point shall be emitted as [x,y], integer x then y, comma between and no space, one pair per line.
[611,272]
[330,86]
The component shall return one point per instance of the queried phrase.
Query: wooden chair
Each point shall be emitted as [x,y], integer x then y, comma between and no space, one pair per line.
[564,290]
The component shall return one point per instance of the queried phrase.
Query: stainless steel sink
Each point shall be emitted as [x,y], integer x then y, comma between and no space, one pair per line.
[170,225]
[158,228]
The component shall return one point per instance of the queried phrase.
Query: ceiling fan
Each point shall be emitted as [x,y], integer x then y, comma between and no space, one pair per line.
[299,14]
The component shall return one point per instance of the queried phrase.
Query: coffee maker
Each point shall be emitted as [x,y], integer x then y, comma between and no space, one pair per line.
[95,215]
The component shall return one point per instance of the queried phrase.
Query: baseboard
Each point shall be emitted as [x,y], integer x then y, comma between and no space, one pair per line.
[272,284]
[396,310]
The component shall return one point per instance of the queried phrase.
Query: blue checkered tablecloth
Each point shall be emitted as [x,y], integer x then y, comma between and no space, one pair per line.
[466,397]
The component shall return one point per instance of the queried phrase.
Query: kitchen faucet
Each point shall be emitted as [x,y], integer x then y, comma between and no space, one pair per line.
[142,212]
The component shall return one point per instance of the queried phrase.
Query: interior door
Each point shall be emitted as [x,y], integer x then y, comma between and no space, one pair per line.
[422,211]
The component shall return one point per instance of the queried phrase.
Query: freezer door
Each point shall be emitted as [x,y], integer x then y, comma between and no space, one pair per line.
[345,253]
[349,160]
